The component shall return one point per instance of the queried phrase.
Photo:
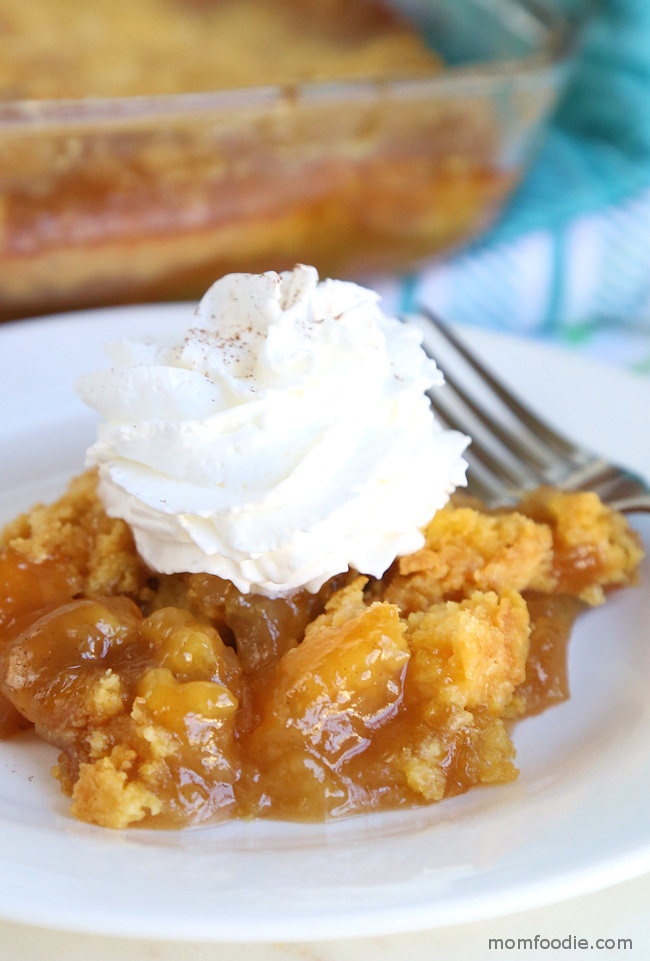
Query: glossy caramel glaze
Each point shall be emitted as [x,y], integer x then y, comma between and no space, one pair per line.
[178,700]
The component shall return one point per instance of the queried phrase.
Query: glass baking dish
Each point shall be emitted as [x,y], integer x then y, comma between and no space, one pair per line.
[122,200]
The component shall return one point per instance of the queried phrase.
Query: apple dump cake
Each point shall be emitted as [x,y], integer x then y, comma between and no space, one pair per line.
[259,601]
[115,187]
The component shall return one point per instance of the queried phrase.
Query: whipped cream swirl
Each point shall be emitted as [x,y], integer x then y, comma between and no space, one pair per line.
[283,438]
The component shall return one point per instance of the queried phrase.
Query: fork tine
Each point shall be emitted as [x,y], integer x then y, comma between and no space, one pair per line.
[498,467]
[487,492]
[555,441]
[505,462]
[481,481]
[529,452]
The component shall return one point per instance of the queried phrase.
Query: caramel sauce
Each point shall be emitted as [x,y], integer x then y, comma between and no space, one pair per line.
[306,731]
[26,587]
[576,568]
[547,682]
[11,720]
[263,630]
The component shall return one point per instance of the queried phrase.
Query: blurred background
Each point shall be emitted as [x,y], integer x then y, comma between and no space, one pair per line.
[488,158]
[569,257]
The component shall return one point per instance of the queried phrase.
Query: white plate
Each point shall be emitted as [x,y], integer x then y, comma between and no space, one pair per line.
[576,819]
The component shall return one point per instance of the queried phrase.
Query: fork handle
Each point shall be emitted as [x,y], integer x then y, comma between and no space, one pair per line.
[618,488]
[632,505]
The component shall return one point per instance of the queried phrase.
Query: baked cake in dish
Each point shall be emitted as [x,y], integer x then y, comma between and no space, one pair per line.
[146,148]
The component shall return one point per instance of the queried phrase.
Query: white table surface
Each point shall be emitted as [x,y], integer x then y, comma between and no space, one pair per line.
[616,912]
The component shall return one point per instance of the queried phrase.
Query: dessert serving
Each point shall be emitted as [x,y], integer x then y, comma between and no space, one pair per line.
[259,600]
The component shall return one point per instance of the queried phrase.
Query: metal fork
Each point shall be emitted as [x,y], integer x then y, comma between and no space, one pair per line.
[512,449]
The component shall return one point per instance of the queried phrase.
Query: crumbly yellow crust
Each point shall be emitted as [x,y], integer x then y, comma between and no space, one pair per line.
[100,48]
[98,550]
[593,546]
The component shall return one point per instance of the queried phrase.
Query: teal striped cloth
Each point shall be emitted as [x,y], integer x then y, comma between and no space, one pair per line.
[570,257]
